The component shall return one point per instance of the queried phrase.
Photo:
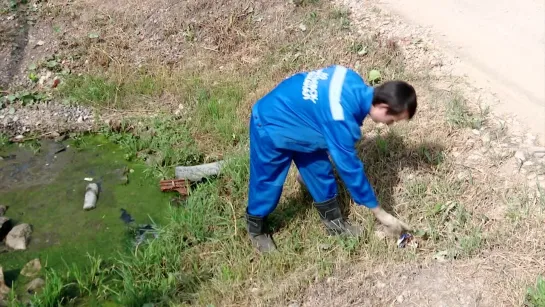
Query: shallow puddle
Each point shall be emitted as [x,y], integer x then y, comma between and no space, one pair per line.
[46,190]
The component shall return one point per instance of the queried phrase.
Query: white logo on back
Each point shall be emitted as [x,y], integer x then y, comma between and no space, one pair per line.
[310,84]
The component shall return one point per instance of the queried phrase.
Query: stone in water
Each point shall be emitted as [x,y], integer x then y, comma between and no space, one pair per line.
[91,194]
[18,237]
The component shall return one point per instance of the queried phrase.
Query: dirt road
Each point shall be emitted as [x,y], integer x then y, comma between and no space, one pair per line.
[500,45]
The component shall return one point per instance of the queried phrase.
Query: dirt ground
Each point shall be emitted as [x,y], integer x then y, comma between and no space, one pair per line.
[491,49]
[230,37]
[477,282]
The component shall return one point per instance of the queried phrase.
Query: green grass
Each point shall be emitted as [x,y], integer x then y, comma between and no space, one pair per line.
[4,140]
[212,112]
[459,115]
[536,294]
[90,90]
[122,90]
[161,142]
[217,111]
[342,17]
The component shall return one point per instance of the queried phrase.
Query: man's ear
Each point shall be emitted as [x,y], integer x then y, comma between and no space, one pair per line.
[384,106]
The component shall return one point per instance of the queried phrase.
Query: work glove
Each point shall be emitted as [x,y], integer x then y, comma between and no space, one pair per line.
[394,226]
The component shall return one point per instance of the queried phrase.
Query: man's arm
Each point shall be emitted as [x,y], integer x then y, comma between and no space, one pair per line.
[341,137]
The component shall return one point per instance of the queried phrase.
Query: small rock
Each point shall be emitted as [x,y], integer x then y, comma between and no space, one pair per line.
[400,299]
[60,138]
[520,155]
[32,268]
[35,285]
[324,246]
[5,226]
[486,138]
[462,175]
[3,208]
[380,285]
[15,118]
[476,132]
[80,119]
[528,163]
[539,155]
[4,289]
[40,43]
[18,237]
[254,290]
[538,152]
[42,80]
[303,27]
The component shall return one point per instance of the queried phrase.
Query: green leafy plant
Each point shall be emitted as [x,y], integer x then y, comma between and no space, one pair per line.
[26,97]
[536,295]
[374,76]
[33,77]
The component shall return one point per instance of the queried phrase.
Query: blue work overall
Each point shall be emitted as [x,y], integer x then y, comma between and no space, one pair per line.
[308,118]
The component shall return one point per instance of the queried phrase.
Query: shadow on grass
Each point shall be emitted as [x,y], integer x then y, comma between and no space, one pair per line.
[10,276]
[383,158]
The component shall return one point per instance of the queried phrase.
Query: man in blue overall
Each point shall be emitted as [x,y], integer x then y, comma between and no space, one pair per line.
[308,118]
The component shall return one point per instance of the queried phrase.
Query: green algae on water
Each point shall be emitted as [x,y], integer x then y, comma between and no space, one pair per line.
[46,190]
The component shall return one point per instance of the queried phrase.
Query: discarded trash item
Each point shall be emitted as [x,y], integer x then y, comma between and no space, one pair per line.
[88,179]
[179,185]
[406,239]
[91,194]
[198,172]
[143,231]
[441,256]
[126,217]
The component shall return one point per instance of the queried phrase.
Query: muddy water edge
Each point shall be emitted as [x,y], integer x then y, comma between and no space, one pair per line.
[44,185]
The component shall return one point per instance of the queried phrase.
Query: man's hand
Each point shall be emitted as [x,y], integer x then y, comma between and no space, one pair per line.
[395,226]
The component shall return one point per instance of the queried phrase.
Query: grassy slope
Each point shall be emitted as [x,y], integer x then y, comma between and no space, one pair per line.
[202,102]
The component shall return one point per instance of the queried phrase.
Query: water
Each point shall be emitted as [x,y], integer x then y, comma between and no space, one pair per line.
[47,189]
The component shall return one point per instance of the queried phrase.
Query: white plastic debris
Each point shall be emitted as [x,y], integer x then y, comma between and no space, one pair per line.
[88,179]
[91,194]
[198,172]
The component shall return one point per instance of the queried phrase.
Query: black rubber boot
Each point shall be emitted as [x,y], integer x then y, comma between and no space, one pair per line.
[330,213]
[256,230]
